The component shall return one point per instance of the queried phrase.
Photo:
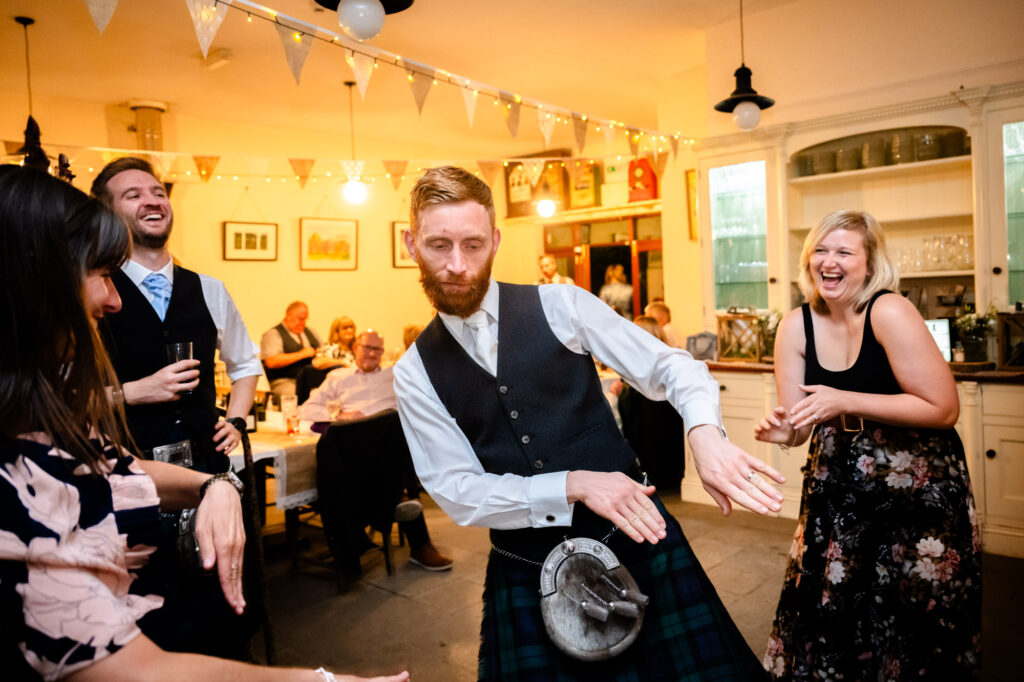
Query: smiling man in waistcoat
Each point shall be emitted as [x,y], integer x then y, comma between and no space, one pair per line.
[287,348]
[509,429]
[171,406]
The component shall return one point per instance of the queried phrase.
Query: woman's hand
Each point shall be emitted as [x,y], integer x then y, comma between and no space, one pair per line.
[775,428]
[620,499]
[821,404]
[221,538]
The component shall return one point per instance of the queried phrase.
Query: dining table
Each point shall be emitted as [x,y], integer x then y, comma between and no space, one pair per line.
[293,457]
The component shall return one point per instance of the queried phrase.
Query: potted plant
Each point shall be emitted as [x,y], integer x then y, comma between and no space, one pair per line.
[974,330]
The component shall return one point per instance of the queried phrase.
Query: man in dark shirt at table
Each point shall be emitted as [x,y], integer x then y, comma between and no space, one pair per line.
[358,393]
[171,406]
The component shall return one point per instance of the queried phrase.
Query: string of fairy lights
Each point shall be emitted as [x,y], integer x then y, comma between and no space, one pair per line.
[498,96]
[177,166]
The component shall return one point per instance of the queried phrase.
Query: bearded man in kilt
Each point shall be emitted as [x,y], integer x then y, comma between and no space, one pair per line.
[509,429]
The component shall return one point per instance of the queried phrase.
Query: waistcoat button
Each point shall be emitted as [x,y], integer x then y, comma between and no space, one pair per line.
[514,414]
[538,465]
[525,439]
[502,389]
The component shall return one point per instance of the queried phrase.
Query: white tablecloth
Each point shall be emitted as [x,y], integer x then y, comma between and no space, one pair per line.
[294,460]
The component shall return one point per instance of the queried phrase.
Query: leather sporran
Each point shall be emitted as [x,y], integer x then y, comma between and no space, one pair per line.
[592,607]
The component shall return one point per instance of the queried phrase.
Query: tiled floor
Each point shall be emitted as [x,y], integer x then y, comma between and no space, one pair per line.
[429,622]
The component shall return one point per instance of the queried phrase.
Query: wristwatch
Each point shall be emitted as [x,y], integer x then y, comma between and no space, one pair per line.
[228,476]
[238,423]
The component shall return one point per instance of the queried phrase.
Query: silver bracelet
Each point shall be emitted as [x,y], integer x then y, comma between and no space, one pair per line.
[786,446]
[326,674]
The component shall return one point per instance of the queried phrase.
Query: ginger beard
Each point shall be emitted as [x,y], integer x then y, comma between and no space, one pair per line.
[458,302]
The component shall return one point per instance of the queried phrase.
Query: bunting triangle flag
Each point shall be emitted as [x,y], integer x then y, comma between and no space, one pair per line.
[674,142]
[258,167]
[546,123]
[101,11]
[577,170]
[579,128]
[362,69]
[510,109]
[205,166]
[489,170]
[469,96]
[420,84]
[12,146]
[161,162]
[296,47]
[207,16]
[634,140]
[534,169]
[396,171]
[660,163]
[302,168]
[609,136]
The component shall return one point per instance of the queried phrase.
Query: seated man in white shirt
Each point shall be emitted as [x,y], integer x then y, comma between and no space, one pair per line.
[362,392]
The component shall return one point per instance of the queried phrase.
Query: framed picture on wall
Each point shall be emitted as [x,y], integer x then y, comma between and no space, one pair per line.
[400,256]
[250,241]
[691,203]
[328,244]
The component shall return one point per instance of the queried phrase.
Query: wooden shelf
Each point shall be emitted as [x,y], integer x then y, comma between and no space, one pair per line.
[924,274]
[881,171]
[892,225]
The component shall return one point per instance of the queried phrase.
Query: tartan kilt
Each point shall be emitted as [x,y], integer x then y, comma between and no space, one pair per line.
[687,634]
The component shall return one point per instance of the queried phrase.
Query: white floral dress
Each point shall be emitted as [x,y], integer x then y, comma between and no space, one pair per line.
[70,543]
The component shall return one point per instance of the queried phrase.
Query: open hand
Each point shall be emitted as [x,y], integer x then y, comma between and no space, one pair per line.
[729,473]
[620,499]
[775,428]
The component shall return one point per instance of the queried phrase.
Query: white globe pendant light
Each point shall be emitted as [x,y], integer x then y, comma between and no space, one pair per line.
[361,19]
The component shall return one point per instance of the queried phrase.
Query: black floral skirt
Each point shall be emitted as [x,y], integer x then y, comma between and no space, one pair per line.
[884,577]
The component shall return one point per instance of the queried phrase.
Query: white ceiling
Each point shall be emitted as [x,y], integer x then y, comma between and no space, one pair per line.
[599,57]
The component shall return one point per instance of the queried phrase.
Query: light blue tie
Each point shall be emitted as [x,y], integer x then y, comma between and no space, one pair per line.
[158,285]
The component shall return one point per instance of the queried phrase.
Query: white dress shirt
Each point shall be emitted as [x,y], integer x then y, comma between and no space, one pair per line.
[445,462]
[239,354]
[366,392]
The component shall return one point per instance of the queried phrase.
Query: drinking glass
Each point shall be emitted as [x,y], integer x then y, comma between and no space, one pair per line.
[290,411]
[176,352]
[333,407]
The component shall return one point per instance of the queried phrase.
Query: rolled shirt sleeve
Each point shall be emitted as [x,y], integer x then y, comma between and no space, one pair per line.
[444,459]
[240,355]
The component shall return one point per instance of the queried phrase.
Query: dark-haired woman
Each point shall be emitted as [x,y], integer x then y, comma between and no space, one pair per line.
[78,515]
[884,578]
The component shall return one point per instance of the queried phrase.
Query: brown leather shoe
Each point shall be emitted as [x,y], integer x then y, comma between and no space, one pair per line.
[429,558]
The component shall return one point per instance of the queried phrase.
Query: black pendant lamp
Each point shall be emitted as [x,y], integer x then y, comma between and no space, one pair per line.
[744,103]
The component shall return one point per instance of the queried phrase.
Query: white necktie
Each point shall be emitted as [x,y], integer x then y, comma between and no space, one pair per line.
[485,345]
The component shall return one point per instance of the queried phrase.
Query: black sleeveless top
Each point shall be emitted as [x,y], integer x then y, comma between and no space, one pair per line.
[870,373]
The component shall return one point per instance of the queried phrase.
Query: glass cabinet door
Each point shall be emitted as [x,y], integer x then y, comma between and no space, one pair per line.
[738,213]
[1013,177]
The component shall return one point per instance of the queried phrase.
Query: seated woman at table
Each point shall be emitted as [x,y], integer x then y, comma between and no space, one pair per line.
[337,352]
[80,515]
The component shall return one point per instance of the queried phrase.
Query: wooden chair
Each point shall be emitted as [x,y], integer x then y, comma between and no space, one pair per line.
[254,510]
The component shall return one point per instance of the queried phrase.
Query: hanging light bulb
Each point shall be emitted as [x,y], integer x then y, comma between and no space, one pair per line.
[545,208]
[361,19]
[744,103]
[746,115]
[355,190]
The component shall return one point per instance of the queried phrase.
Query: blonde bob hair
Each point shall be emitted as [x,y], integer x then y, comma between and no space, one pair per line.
[881,273]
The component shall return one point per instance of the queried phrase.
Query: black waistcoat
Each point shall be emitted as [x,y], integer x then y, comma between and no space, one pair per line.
[290,345]
[136,340]
[544,411]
